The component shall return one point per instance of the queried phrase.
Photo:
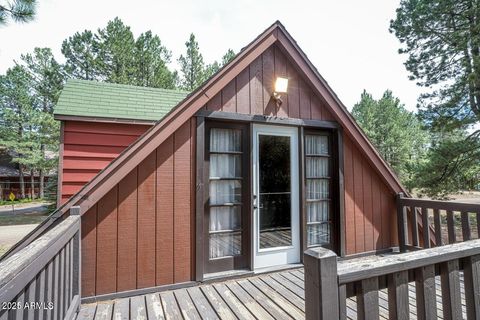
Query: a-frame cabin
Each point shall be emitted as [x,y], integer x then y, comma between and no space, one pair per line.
[236,178]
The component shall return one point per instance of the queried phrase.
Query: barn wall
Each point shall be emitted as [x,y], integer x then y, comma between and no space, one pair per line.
[88,147]
[140,234]
[370,216]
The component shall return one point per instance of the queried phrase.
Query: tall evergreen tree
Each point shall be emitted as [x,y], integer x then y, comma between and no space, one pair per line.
[441,40]
[17,10]
[450,165]
[113,54]
[192,66]
[47,81]
[17,119]
[80,53]
[396,133]
[116,52]
[151,59]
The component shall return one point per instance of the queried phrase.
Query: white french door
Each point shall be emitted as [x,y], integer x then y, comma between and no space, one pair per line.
[276,213]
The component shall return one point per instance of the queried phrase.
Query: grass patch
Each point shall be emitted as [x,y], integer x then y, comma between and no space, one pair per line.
[10,220]
[20,201]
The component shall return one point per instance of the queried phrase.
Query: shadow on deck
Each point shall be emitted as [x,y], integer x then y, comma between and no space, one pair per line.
[279,295]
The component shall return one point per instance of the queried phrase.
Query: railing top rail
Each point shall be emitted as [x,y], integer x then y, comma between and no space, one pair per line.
[441,205]
[42,247]
[360,269]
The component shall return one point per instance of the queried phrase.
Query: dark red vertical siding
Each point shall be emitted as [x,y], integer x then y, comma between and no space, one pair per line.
[165,181]
[146,222]
[256,88]
[243,92]
[140,233]
[229,101]
[182,223]
[89,249]
[107,240]
[127,219]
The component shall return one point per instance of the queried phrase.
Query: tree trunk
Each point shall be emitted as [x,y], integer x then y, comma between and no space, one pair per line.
[41,188]
[41,174]
[32,184]
[21,179]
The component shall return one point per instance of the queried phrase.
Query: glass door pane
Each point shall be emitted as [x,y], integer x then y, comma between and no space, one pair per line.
[225,193]
[274,192]
[318,185]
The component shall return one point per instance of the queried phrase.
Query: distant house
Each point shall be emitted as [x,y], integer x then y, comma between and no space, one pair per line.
[10,178]
[258,164]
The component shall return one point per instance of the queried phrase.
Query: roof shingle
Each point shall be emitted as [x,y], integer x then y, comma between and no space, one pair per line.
[108,100]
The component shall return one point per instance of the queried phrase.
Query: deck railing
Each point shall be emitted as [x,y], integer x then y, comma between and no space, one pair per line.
[42,281]
[328,283]
[430,223]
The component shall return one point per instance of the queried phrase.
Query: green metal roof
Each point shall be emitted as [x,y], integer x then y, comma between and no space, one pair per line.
[108,100]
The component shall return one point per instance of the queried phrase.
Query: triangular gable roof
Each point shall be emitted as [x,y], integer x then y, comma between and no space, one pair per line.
[93,191]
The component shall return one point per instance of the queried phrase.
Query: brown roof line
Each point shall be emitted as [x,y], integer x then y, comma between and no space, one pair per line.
[152,138]
[344,117]
[103,120]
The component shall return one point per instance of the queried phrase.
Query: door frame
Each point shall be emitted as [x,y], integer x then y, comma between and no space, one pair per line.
[200,187]
[232,262]
[277,252]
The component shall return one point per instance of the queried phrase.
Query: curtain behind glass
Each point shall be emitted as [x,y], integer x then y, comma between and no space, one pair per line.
[317,145]
[225,140]
[225,192]
[318,171]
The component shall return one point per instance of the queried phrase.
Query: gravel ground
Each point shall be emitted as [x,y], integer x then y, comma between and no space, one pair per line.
[9,235]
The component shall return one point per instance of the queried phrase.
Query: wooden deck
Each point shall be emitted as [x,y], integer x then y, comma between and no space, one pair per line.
[277,295]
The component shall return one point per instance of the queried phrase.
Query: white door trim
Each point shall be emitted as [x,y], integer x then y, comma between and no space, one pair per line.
[263,258]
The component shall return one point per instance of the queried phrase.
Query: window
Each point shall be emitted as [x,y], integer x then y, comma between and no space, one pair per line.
[225,193]
[318,189]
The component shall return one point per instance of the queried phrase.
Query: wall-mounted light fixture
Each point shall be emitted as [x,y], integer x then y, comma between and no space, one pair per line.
[281,86]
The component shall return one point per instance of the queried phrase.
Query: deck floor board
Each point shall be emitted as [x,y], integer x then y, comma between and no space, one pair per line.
[277,295]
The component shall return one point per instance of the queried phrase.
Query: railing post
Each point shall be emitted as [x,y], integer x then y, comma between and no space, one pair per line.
[401,223]
[321,285]
[77,254]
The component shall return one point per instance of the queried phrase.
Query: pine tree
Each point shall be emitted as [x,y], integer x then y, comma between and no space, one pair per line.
[116,53]
[47,82]
[192,66]
[113,54]
[151,59]
[18,11]
[17,119]
[442,43]
[81,56]
[394,131]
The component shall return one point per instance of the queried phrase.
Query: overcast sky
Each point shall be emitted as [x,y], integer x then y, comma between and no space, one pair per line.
[348,41]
